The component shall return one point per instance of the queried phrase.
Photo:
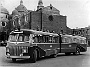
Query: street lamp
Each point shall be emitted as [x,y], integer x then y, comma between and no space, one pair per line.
[87,35]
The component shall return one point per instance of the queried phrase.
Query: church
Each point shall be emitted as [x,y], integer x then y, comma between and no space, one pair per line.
[43,18]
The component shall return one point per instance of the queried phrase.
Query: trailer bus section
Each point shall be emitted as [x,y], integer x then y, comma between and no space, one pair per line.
[32,45]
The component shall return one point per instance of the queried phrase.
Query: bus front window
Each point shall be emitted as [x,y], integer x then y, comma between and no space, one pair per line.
[26,38]
[18,37]
[12,38]
[23,38]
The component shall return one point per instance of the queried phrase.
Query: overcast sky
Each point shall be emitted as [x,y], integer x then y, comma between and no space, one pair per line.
[77,11]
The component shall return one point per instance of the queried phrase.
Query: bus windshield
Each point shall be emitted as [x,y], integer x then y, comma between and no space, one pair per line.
[18,37]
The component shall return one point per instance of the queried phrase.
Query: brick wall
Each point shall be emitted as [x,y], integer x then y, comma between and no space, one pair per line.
[56,24]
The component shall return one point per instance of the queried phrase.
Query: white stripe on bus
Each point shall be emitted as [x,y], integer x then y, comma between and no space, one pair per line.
[16,42]
[45,43]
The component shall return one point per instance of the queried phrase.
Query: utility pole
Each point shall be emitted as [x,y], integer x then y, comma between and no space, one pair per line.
[30,20]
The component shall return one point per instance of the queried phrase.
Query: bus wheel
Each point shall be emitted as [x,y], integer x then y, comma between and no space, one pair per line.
[34,56]
[67,53]
[53,55]
[77,52]
[13,59]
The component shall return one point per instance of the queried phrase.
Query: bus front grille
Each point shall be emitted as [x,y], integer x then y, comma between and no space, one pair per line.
[17,50]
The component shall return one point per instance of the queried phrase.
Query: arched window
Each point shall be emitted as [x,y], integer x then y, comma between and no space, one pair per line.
[6,16]
[3,24]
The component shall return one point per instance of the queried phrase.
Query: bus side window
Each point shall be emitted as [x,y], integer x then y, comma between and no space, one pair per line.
[63,39]
[53,39]
[82,42]
[31,38]
[69,40]
[40,38]
[74,40]
[20,38]
[85,41]
[26,38]
[35,38]
[56,39]
[50,39]
[78,41]
[46,39]
[43,39]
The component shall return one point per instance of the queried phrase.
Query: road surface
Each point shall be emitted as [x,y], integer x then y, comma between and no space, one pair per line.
[82,60]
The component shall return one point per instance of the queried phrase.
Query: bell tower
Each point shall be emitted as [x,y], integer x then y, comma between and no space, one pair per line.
[40,5]
[21,2]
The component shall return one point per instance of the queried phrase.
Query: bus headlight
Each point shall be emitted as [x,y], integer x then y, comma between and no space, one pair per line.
[24,50]
[8,54]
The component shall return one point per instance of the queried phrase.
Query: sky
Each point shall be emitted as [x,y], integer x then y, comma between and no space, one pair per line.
[77,11]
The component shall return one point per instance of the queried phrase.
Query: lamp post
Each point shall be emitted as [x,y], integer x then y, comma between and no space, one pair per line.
[87,35]
[41,20]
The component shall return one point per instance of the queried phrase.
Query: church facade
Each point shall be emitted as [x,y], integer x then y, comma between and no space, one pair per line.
[47,19]
[44,18]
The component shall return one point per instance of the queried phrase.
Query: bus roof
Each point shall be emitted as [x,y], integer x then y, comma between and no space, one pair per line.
[29,31]
[76,36]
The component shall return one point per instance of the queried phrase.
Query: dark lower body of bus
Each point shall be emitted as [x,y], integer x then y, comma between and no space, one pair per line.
[40,50]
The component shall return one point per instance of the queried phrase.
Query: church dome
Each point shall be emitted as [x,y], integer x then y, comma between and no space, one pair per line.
[21,7]
[15,12]
[4,10]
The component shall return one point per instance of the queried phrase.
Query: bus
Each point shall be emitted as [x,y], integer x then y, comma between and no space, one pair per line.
[32,44]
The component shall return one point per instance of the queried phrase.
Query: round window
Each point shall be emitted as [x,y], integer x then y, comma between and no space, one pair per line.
[50,18]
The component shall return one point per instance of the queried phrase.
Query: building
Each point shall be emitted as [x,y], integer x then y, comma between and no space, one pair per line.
[44,18]
[85,32]
[48,18]
[3,23]
[19,16]
[3,18]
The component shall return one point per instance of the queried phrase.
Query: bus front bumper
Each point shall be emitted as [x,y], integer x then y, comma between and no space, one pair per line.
[19,57]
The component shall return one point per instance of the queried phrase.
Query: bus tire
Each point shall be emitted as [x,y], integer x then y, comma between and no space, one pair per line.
[34,56]
[67,53]
[54,55]
[38,54]
[77,52]
[13,59]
